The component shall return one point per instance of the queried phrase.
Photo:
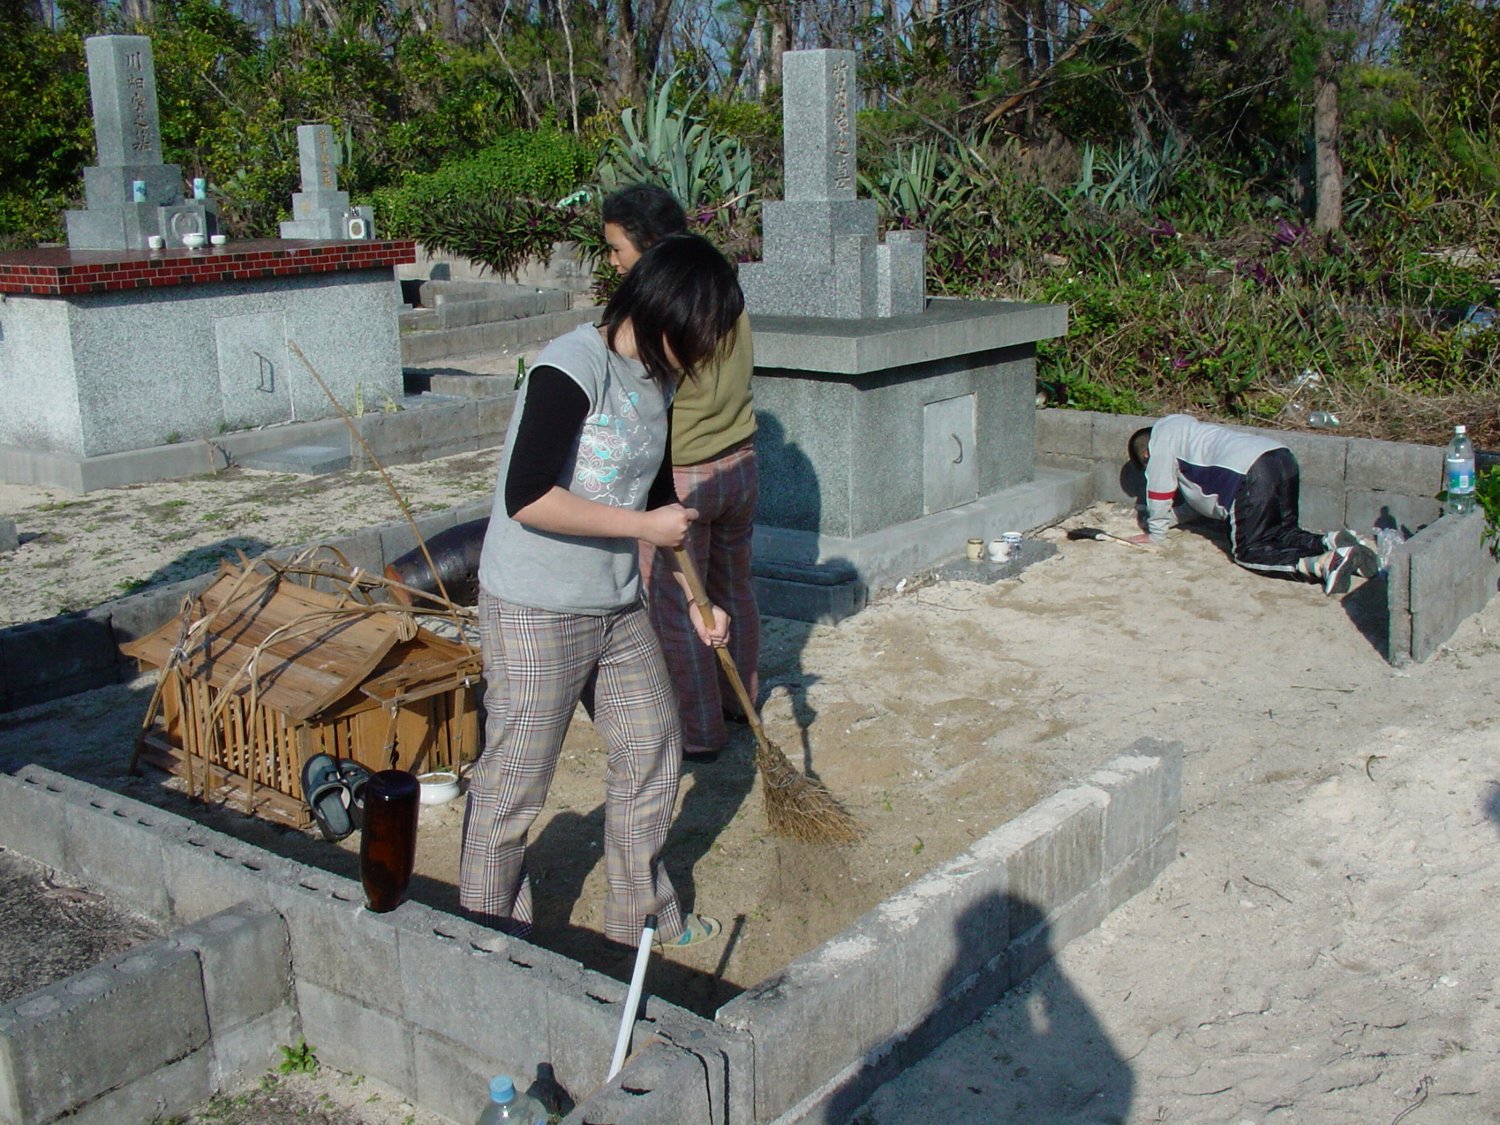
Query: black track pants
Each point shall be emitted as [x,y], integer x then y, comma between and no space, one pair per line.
[1263,531]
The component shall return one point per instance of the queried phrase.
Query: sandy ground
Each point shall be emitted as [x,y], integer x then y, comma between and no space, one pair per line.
[1320,952]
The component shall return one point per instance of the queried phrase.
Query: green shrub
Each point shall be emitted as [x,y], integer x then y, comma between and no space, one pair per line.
[503,234]
[543,165]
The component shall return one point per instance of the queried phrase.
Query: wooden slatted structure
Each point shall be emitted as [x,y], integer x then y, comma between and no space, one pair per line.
[260,673]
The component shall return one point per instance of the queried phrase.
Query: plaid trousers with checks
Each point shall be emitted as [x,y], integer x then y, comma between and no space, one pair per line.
[724,491]
[537,664]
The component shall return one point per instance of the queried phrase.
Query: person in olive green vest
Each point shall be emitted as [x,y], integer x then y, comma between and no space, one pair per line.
[714,468]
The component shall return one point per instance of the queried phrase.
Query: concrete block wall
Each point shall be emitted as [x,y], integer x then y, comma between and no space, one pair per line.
[271,949]
[426,1002]
[154,1031]
[842,1019]
[1445,572]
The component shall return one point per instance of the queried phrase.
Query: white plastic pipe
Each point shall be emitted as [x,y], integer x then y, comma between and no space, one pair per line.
[633,1000]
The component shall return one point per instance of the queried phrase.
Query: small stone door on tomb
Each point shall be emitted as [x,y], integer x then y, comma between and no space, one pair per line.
[950,463]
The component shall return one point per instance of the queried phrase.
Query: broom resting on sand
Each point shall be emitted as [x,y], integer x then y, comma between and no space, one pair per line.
[797,806]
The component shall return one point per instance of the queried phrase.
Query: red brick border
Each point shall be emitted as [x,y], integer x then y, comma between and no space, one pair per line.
[61,272]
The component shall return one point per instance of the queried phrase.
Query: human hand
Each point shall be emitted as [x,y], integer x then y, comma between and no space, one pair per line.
[718,636]
[667,527]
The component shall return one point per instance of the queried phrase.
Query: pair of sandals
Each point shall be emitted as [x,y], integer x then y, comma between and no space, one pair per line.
[334,790]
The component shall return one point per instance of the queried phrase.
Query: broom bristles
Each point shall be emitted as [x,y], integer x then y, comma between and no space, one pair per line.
[800,806]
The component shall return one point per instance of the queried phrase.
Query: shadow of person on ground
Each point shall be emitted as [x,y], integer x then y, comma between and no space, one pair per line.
[1034,1053]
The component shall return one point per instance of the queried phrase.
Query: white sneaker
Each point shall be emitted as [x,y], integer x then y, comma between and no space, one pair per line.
[1339,573]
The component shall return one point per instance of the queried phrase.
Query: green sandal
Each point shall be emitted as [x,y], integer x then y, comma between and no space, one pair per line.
[695,929]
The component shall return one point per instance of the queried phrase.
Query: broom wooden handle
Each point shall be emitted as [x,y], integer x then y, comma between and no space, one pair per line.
[706,611]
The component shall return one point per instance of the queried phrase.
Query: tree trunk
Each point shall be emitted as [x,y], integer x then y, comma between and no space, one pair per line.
[1329,167]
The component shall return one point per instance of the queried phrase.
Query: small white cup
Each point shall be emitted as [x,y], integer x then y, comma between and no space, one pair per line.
[155,241]
[974,550]
[999,551]
[1012,539]
[219,239]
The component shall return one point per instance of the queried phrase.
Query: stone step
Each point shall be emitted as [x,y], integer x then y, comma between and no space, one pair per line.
[424,346]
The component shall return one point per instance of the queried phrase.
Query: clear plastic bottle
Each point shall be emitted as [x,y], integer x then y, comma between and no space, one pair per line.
[509,1104]
[1323,420]
[1458,473]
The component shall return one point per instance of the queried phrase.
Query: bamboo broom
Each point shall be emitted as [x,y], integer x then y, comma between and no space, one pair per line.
[796,805]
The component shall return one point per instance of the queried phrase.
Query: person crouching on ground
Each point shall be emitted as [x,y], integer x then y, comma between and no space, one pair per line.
[714,469]
[583,478]
[1252,482]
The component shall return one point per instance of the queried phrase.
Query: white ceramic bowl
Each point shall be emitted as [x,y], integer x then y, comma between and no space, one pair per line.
[193,241]
[438,787]
[219,239]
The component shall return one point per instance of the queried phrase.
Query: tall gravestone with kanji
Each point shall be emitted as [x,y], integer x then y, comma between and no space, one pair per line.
[320,210]
[130,194]
[822,254]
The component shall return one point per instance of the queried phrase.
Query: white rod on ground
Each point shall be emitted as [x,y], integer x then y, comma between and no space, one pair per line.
[633,1000]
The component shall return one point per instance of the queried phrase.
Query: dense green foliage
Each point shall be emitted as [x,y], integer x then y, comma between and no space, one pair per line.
[1149,162]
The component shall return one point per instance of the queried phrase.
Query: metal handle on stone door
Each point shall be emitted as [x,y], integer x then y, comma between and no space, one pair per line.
[959,459]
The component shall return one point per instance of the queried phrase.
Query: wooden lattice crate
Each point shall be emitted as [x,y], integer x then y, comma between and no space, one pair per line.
[277,674]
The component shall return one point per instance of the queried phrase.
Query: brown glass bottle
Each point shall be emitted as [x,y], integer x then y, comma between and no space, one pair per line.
[388,841]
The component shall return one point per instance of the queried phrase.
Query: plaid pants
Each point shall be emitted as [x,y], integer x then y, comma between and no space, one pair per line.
[536,666]
[724,491]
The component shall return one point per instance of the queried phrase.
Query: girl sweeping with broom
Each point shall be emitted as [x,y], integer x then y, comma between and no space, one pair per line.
[583,477]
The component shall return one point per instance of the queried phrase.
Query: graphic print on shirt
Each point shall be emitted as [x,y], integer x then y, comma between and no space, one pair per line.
[603,446]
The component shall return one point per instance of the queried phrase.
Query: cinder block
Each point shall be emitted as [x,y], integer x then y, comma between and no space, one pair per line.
[31,820]
[139,614]
[493,417]
[171,1089]
[661,1085]
[1052,852]
[456,977]
[1388,466]
[336,943]
[114,842]
[247,1051]
[811,1020]
[10,538]
[71,647]
[453,1080]
[351,1036]
[1398,605]
[1145,793]
[939,931]
[1323,509]
[1140,869]
[1409,514]
[582,1022]
[1441,555]
[728,1058]
[1068,433]
[64,1045]
[209,872]
[1321,458]
[247,965]
[1111,435]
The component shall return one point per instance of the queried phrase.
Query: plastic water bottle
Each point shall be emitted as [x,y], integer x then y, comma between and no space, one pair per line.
[508,1104]
[1458,473]
[1323,420]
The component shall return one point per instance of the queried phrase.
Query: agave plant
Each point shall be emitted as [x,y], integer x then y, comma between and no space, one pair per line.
[668,144]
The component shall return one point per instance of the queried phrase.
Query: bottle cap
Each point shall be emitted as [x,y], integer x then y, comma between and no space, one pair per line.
[502,1089]
[1460,429]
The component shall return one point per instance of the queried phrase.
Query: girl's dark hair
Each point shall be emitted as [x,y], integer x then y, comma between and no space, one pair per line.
[683,296]
[646,213]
